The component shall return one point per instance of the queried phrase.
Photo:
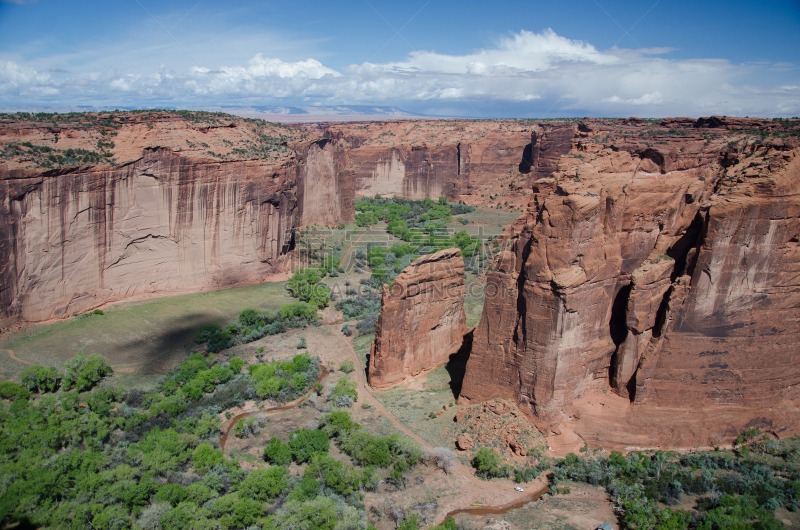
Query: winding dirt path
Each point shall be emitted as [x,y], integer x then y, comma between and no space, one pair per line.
[364,390]
[11,354]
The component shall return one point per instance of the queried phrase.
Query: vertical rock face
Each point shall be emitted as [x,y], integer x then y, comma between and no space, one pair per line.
[422,320]
[431,159]
[325,184]
[162,221]
[74,240]
[548,144]
[669,273]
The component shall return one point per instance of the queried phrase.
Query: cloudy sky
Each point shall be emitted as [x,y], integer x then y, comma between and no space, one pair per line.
[436,57]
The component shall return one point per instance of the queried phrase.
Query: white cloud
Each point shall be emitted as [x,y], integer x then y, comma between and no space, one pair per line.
[653,98]
[525,73]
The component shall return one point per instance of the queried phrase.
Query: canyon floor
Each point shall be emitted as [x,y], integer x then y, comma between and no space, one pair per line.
[144,339]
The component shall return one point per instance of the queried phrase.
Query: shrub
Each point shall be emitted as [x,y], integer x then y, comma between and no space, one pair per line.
[347,366]
[277,452]
[360,306]
[305,443]
[12,391]
[302,344]
[236,364]
[488,464]
[347,331]
[344,393]
[367,325]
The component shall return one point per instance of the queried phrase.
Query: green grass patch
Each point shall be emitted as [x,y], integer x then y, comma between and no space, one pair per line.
[140,339]
[362,345]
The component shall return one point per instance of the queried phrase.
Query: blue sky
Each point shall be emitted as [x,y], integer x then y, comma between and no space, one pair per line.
[437,57]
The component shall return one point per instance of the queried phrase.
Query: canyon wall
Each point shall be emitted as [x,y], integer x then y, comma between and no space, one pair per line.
[165,220]
[325,184]
[73,240]
[422,321]
[666,271]
[418,159]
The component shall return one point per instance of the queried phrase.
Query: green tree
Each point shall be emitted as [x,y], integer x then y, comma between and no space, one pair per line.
[84,372]
[305,443]
[265,484]
[277,452]
[487,463]
[40,378]
[205,457]
[12,391]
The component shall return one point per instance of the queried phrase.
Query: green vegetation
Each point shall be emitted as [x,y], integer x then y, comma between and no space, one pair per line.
[147,337]
[421,226]
[253,325]
[49,157]
[112,458]
[488,464]
[285,380]
[306,284]
[395,452]
[733,492]
[344,393]
[82,372]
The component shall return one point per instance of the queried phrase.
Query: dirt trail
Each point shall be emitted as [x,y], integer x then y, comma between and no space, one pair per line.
[347,253]
[11,354]
[364,390]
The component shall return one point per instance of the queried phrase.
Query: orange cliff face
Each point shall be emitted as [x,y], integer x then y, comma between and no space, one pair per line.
[422,320]
[661,262]
[189,206]
[482,162]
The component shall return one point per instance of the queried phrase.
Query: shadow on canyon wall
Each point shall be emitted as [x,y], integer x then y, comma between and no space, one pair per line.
[457,365]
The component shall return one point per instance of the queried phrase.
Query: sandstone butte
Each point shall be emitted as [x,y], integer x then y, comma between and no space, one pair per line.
[656,260]
[422,320]
[668,272]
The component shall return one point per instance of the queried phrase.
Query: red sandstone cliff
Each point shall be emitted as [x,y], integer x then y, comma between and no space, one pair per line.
[189,206]
[665,268]
[458,159]
[422,320]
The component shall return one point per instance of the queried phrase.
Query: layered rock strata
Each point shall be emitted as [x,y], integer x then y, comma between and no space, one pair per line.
[667,271]
[422,320]
[458,159]
[165,220]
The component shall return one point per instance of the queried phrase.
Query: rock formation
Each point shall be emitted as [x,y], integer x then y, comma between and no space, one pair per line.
[439,158]
[168,217]
[667,269]
[422,320]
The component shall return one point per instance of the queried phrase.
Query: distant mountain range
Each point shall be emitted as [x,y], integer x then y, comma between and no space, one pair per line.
[267,112]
